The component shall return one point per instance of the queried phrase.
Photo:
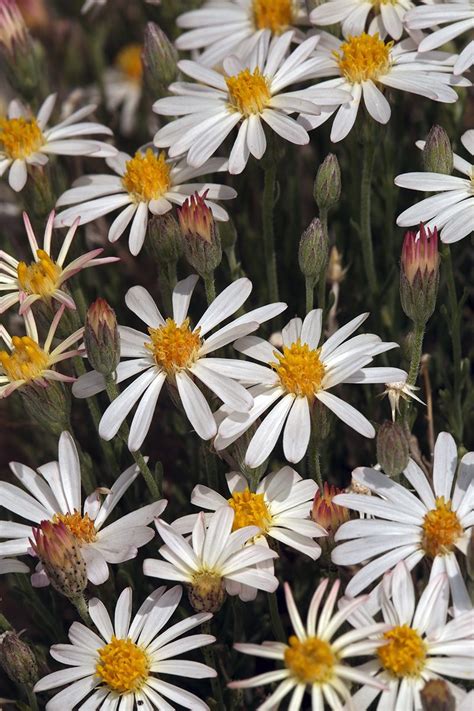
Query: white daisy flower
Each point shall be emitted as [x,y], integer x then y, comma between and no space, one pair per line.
[225,27]
[400,391]
[25,139]
[44,277]
[386,17]
[55,495]
[296,376]
[26,362]
[418,646]
[364,65]
[147,183]
[432,523]
[313,659]
[11,565]
[123,86]
[214,561]
[458,18]
[172,351]
[248,93]
[451,210]
[125,666]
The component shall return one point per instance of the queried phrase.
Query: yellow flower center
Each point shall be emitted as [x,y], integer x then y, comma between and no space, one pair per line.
[300,369]
[250,510]
[82,527]
[129,61]
[248,92]
[174,347]
[147,176]
[311,660]
[39,277]
[441,529]
[363,57]
[274,15]
[405,652]
[20,137]
[123,666]
[377,3]
[26,361]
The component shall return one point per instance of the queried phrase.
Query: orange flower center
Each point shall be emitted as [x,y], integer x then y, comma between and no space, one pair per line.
[82,527]
[174,347]
[363,57]
[27,361]
[300,369]
[39,277]
[20,137]
[441,529]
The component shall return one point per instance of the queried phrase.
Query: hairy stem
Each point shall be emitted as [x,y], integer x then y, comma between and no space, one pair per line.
[416,348]
[268,205]
[368,154]
[275,618]
[210,287]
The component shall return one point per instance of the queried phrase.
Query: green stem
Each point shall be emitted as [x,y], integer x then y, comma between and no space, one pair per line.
[32,702]
[455,330]
[368,154]
[211,661]
[416,349]
[268,205]
[323,216]
[211,468]
[275,618]
[309,288]
[315,459]
[234,267]
[4,624]
[210,287]
[80,604]
[171,274]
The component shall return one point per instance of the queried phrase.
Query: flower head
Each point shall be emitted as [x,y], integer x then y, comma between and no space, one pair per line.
[419,274]
[326,513]
[400,391]
[60,554]
[101,337]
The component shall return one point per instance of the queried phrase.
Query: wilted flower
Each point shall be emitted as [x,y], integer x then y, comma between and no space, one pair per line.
[328,514]
[201,241]
[400,391]
[419,274]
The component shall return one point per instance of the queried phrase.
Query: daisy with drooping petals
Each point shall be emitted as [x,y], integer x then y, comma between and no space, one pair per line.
[214,560]
[10,565]
[146,183]
[173,351]
[419,644]
[365,66]
[26,140]
[123,85]
[126,665]
[44,277]
[451,210]
[297,376]
[234,26]
[400,391]
[432,523]
[313,660]
[247,94]
[27,363]
[387,16]
[460,16]
[55,495]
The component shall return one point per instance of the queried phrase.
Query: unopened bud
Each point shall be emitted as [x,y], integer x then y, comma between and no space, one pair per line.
[437,153]
[419,274]
[50,406]
[17,659]
[207,593]
[160,60]
[392,448]
[313,250]
[18,50]
[164,239]
[61,557]
[328,514]
[327,186]
[436,696]
[201,241]
[101,337]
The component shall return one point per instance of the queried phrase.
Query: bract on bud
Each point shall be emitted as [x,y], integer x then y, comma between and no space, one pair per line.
[327,186]
[160,60]
[201,241]
[207,593]
[329,515]
[313,250]
[17,47]
[392,448]
[436,696]
[419,274]
[17,659]
[101,337]
[437,152]
[164,239]
[61,557]
[49,406]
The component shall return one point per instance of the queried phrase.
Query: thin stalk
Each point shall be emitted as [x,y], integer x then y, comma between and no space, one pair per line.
[416,348]
[210,287]
[211,468]
[171,274]
[315,460]
[268,205]
[211,661]
[309,289]
[80,604]
[275,618]
[323,216]
[5,626]
[368,154]
[455,331]
[32,702]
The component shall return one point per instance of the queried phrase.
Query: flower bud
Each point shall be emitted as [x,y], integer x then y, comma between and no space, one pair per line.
[437,153]
[18,50]
[101,337]
[313,250]
[392,448]
[207,593]
[202,244]
[164,239]
[17,659]
[329,515]
[49,406]
[327,186]
[436,696]
[419,274]
[160,60]
[61,557]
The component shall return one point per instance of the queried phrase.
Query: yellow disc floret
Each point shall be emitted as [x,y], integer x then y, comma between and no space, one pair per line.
[300,369]
[274,15]
[82,527]
[123,666]
[310,661]
[248,92]
[39,277]
[250,510]
[27,361]
[129,61]
[20,137]
[147,176]
[363,57]
[441,529]
[404,654]
[174,347]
